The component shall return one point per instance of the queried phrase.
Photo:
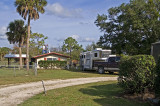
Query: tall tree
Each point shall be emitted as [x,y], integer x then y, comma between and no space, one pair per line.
[71,45]
[30,8]
[37,41]
[17,32]
[131,27]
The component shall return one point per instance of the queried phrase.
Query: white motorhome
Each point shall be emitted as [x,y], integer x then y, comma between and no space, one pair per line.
[88,58]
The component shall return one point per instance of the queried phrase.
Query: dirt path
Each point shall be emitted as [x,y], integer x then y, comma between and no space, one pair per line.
[16,94]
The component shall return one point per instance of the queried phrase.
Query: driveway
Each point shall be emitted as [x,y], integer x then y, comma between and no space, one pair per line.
[16,94]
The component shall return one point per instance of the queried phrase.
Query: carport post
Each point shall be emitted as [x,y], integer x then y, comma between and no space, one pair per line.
[8,62]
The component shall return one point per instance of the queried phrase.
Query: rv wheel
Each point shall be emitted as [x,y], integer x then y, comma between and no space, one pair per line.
[100,70]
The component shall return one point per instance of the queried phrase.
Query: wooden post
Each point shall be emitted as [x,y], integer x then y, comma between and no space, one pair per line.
[14,72]
[8,62]
[44,88]
[35,69]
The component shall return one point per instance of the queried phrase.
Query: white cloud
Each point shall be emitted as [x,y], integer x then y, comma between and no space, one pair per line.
[3,31]
[76,37]
[88,40]
[80,39]
[58,10]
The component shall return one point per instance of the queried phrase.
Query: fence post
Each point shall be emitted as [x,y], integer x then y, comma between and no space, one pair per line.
[14,71]
[35,69]
[44,88]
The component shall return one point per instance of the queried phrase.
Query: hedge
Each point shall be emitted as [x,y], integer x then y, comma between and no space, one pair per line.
[137,73]
[52,64]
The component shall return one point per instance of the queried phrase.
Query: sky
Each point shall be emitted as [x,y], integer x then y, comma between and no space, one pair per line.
[62,19]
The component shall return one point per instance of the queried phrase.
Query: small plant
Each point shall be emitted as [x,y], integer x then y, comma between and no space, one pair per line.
[137,73]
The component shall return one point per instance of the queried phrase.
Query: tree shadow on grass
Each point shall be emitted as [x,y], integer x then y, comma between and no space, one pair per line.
[108,95]
[91,72]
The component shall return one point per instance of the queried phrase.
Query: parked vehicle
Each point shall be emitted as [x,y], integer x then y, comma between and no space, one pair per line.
[111,65]
[100,60]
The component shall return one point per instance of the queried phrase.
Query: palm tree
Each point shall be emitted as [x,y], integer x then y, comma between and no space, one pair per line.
[16,35]
[30,9]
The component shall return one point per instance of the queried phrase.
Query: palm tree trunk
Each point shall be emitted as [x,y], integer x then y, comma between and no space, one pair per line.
[20,56]
[20,52]
[28,38]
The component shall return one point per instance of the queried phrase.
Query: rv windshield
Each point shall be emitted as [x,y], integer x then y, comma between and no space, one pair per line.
[105,54]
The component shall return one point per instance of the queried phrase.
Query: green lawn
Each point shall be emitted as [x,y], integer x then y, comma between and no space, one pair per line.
[94,94]
[8,76]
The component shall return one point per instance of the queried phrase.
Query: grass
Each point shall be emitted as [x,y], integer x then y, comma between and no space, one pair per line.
[8,76]
[94,94]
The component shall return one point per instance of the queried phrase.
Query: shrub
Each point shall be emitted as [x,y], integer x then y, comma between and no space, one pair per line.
[137,73]
[157,80]
[52,64]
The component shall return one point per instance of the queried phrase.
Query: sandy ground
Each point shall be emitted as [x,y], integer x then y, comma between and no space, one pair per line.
[16,94]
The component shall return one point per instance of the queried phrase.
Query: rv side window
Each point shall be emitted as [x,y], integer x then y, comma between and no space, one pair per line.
[84,56]
[95,54]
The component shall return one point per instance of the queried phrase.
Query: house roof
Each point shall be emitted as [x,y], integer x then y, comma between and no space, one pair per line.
[52,53]
[14,56]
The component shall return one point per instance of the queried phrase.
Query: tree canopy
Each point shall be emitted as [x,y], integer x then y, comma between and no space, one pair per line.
[16,34]
[36,42]
[3,51]
[130,28]
[70,45]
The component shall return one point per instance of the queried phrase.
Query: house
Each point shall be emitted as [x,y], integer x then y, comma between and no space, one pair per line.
[155,50]
[49,56]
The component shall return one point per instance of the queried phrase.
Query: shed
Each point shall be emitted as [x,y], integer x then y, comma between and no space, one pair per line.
[155,50]
[49,56]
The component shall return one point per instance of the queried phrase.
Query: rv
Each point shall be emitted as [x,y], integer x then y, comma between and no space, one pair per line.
[88,58]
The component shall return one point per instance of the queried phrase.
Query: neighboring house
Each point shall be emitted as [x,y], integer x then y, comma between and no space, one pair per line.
[155,50]
[49,56]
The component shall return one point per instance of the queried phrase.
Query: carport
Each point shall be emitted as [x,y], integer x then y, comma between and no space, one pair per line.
[15,56]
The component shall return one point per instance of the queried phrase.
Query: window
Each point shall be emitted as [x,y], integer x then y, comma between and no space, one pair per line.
[117,59]
[51,59]
[111,59]
[95,55]
[54,59]
[84,56]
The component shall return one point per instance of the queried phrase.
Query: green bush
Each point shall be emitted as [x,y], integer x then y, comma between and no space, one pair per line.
[157,80]
[52,64]
[137,73]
